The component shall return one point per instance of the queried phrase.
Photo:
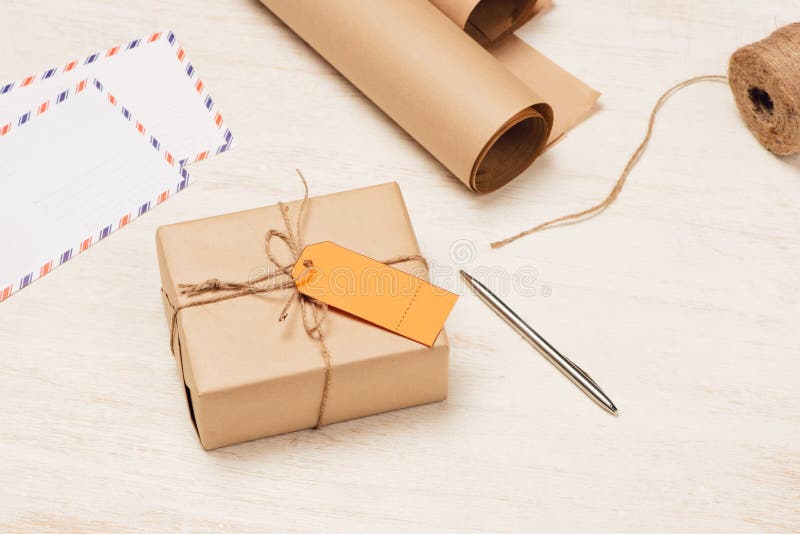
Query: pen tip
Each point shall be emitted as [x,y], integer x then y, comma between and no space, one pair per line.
[464,275]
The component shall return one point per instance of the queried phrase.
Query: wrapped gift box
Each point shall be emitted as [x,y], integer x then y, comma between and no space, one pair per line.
[246,374]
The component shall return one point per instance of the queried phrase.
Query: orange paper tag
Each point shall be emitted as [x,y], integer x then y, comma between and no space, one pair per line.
[373,291]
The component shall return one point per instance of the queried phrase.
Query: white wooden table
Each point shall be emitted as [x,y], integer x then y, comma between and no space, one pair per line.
[681,300]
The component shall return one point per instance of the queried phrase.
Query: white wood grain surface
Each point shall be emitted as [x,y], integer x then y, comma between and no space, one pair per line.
[681,300]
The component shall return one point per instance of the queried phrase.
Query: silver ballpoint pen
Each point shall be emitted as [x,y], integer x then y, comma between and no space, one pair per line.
[571,370]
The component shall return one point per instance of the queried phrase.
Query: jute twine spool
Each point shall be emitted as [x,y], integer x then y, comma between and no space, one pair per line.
[765,80]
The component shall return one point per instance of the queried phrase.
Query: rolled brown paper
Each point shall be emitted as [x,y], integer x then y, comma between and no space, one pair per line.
[469,111]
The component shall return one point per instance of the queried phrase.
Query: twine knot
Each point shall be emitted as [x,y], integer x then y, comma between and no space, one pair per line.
[313,311]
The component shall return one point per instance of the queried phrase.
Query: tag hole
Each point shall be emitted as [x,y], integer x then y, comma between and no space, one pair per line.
[307,271]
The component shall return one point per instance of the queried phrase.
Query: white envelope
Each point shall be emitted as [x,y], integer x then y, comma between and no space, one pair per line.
[73,169]
[153,76]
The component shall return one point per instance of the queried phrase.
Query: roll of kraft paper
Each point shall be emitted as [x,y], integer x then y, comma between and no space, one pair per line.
[468,110]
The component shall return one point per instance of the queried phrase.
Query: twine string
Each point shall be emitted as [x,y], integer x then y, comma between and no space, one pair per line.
[623,177]
[312,311]
[764,78]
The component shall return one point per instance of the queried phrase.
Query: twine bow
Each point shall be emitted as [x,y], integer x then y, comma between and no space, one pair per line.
[313,312]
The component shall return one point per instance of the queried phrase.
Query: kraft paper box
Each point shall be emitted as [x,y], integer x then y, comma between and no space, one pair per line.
[246,374]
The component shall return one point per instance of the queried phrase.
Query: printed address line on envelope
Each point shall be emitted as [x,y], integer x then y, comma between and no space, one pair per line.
[153,76]
[75,168]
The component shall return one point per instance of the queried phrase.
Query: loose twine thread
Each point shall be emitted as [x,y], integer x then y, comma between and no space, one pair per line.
[765,80]
[313,312]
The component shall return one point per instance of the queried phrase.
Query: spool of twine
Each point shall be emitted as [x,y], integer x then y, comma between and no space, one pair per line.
[765,80]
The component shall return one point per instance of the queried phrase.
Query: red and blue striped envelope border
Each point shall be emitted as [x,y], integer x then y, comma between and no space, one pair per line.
[180,55]
[182,176]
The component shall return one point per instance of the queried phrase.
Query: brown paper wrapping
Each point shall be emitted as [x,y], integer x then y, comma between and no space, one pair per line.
[247,375]
[483,122]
